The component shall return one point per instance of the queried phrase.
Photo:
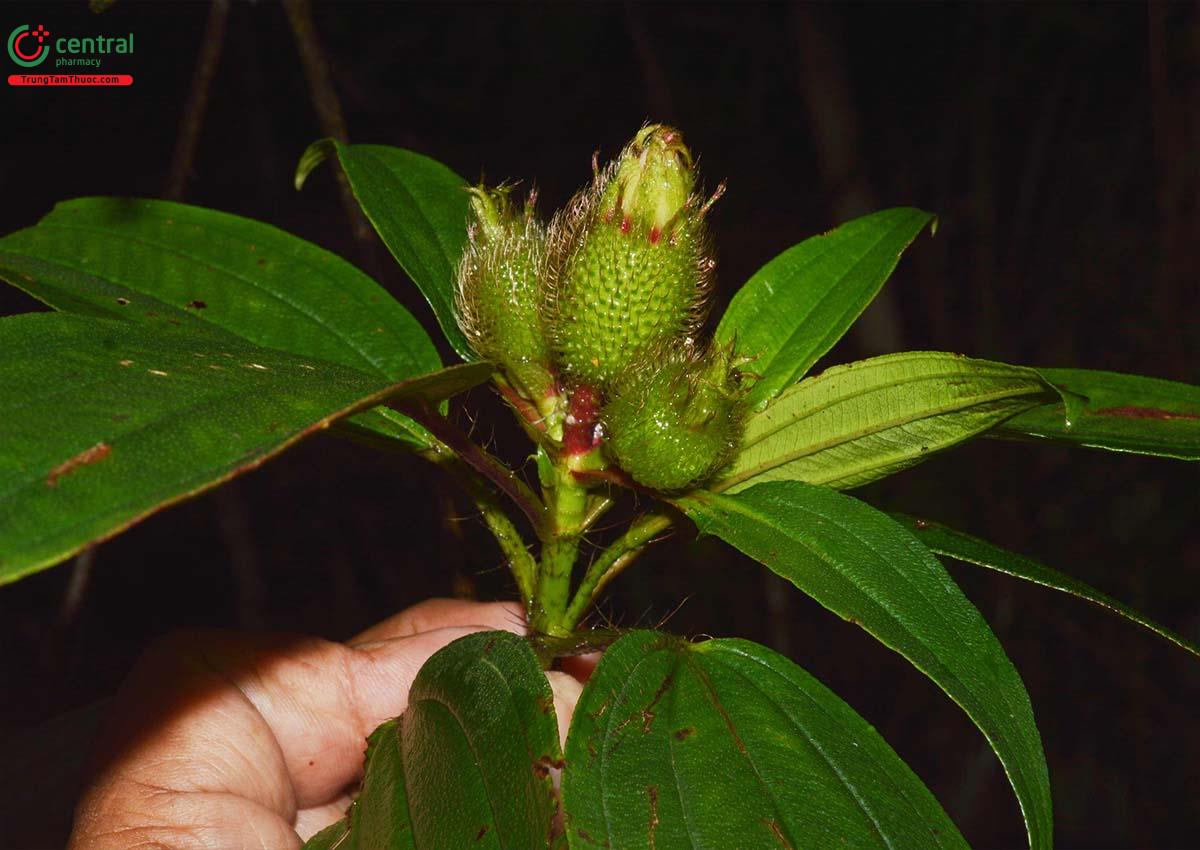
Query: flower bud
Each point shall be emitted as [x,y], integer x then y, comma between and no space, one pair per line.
[674,424]
[630,266]
[499,293]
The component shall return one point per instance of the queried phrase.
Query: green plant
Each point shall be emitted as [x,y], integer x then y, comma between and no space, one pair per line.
[191,345]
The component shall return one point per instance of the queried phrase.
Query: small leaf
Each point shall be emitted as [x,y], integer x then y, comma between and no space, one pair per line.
[1121,413]
[863,421]
[728,744]
[865,567]
[468,763]
[972,550]
[162,263]
[103,423]
[798,305]
[419,209]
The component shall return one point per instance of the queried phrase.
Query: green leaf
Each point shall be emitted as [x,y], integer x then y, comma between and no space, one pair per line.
[332,836]
[865,567]
[1121,413]
[158,263]
[798,305]
[419,209]
[972,550]
[728,744]
[863,421]
[468,763]
[102,423]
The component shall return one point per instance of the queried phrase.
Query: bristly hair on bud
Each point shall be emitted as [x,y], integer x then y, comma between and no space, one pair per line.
[674,423]
[630,261]
[499,292]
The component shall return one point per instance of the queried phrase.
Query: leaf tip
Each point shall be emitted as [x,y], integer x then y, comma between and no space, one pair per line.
[313,155]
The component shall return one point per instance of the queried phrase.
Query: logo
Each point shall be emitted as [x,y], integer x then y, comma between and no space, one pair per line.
[21,48]
[30,48]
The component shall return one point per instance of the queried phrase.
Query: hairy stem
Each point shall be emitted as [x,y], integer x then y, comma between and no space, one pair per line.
[567,500]
[623,551]
[482,462]
[508,537]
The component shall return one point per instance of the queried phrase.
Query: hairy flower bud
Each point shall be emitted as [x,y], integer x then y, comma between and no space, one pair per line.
[499,293]
[630,266]
[674,424]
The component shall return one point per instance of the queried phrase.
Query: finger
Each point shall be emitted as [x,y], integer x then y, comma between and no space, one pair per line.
[157,818]
[311,821]
[321,705]
[279,722]
[567,690]
[442,613]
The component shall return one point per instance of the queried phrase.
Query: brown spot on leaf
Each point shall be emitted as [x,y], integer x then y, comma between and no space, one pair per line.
[684,733]
[1129,411]
[120,417]
[260,261]
[483,830]
[777,833]
[197,304]
[647,712]
[545,704]
[583,833]
[921,525]
[541,767]
[126,362]
[95,454]
[123,302]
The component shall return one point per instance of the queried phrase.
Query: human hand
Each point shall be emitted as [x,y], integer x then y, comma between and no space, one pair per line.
[223,740]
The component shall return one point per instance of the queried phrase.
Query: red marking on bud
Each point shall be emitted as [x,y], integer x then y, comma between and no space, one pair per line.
[580,433]
[626,224]
[655,235]
[585,403]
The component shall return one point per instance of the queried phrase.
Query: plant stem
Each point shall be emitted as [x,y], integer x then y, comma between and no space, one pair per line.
[597,507]
[623,551]
[481,461]
[508,538]
[567,501]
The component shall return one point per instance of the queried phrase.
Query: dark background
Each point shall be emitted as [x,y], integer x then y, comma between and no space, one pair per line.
[1057,143]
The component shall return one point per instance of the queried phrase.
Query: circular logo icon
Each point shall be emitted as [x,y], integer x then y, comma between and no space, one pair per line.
[27,47]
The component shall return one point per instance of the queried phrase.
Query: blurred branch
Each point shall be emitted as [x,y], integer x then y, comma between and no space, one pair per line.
[1176,187]
[325,102]
[833,120]
[197,102]
[657,89]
